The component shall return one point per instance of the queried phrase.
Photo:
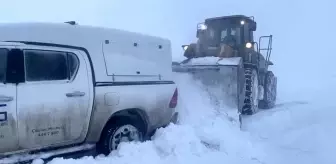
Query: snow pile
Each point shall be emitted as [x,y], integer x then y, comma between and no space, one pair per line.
[214,61]
[203,61]
[212,124]
[43,155]
[204,135]
[230,61]
[300,129]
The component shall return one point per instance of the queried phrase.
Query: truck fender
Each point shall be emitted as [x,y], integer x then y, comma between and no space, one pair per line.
[134,114]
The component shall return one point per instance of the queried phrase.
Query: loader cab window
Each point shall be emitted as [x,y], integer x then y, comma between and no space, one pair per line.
[223,34]
[3,64]
[211,33]
[231,32]
[217,30]
[248,34]
[251,39]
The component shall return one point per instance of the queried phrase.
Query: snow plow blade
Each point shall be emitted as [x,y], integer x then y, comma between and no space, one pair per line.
[223,78]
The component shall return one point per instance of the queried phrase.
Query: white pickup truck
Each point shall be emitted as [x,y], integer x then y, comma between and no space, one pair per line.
[64,84]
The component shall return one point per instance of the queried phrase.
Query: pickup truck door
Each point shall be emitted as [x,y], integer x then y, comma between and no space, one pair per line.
[54,101]
[8,119]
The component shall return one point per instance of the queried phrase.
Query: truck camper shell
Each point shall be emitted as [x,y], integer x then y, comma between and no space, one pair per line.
[115,55]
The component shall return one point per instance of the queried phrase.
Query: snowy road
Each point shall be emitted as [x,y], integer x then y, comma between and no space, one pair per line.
[299,130]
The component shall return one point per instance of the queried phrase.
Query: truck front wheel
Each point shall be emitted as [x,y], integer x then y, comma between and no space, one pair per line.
[121,130]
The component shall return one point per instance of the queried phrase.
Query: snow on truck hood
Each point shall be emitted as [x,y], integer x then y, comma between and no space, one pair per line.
[214,61]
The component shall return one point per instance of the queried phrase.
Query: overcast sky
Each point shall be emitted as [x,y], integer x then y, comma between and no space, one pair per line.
[301,29]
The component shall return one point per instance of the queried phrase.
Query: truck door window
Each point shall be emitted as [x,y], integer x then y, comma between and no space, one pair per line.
[41,65]
[3,64]
[73,64]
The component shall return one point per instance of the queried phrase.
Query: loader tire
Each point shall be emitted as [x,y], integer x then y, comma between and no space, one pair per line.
[251,94]
[270,91]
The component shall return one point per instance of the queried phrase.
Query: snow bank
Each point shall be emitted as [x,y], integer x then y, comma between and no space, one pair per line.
[300,129]
[212,122]
[203,135]
[43,155]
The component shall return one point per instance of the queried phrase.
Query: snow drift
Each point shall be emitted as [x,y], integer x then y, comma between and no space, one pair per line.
[298,130]
[205,133]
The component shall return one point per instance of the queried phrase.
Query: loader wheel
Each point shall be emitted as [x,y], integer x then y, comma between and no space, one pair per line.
[251,94]
[270,91]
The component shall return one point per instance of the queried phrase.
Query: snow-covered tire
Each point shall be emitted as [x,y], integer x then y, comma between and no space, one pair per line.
[251,93]
[124,127]
[270,91]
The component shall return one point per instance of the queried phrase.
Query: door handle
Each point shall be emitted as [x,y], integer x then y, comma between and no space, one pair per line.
[6,98]
[75,94]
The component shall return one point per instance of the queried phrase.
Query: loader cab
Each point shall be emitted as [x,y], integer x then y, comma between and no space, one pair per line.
[214,31]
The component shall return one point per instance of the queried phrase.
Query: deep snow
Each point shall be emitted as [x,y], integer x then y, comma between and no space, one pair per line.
[204,134]
[299,130]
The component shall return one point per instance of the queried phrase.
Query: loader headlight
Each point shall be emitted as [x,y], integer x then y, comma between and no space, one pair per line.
[185,47]
[201,26]
[248,45]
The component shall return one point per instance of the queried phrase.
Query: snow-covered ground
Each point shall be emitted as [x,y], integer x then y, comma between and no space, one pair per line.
[299,130]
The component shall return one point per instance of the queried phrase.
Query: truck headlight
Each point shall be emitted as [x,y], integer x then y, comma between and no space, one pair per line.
[242,22]
[248,45]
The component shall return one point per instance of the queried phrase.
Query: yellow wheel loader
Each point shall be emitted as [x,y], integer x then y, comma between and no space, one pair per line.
[227,58]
